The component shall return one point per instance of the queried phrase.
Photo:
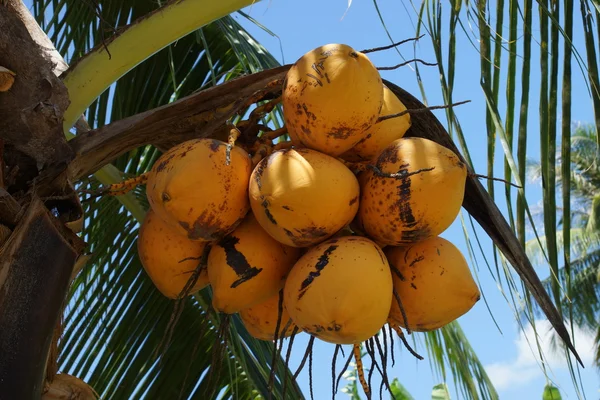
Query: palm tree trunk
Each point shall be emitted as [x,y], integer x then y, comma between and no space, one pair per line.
[37,258]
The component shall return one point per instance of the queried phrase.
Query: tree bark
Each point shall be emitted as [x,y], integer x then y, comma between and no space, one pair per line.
[31,112]
[35,270]
[39,36]
[10,209]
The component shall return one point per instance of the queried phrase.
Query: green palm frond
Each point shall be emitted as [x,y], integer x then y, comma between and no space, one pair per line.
[449,346]
[440,392]
[551,393]
[583,274]
[584,302]
[584,170]
[582,240]
[582,246]
[399,392]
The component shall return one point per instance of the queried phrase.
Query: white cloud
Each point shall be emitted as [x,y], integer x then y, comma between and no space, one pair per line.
[527,366]
[504,375]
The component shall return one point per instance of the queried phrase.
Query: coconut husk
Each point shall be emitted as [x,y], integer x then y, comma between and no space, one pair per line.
[68,387]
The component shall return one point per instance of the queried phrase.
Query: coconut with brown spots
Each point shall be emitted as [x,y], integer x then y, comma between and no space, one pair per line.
[247,267]
[193,188]
[261,319]
[381,134]
[331,96]
[341,290]
[168,257]
[434,283]
[413,192]
[302,197]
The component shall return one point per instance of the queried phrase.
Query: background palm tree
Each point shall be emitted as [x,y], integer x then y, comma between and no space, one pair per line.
[583,270]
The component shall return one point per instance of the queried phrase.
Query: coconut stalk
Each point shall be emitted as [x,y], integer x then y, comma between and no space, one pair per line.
[96,71]
[201,114]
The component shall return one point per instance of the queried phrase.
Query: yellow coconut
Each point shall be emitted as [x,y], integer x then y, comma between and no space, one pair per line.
[195,190]
[414,193]
[434,283]
[341,290]
[301,197]
[381,134]
[247,267]
[331,96]
[168,257]
[261,319]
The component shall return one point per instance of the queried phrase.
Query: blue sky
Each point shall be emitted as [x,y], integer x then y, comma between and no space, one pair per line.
[506,355]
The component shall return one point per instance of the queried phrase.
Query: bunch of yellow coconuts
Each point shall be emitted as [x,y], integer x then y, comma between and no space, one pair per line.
[345,248]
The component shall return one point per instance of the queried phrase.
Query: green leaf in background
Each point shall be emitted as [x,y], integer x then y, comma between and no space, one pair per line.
[440,392]
[449,347]
[580,269]
[399,392]
[551,393]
